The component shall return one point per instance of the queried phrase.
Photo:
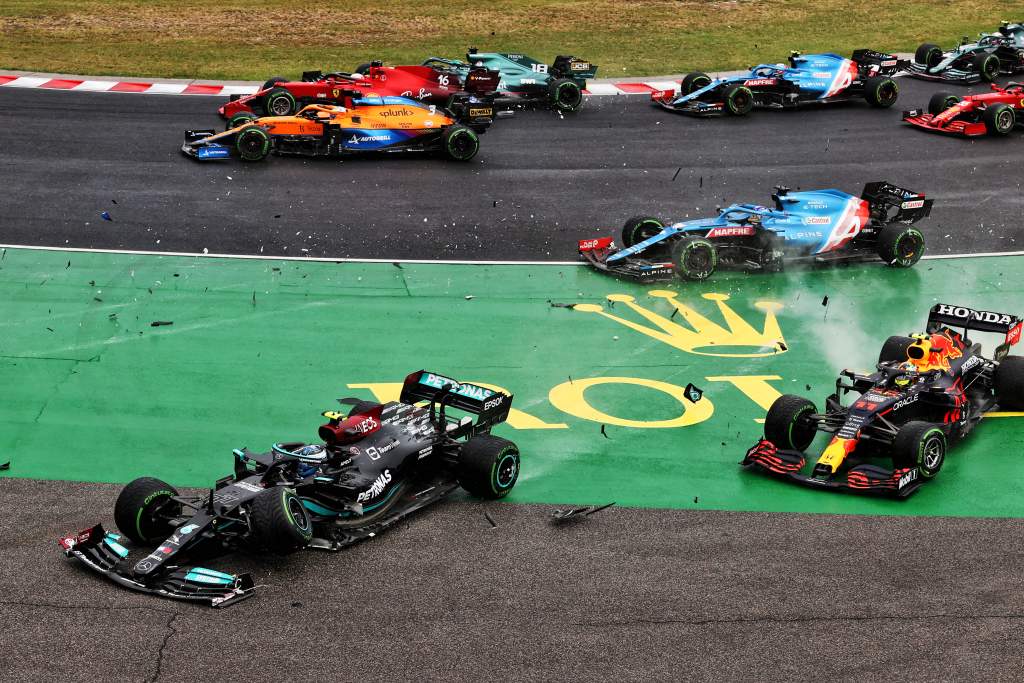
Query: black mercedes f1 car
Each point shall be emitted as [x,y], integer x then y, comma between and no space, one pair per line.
[927,391]
[377,464]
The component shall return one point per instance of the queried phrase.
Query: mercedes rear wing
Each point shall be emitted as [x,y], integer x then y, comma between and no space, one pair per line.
[489,405]
[909,206]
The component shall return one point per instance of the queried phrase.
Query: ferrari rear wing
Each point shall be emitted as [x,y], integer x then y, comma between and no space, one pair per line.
[970,319]
[910,206]
[491,406]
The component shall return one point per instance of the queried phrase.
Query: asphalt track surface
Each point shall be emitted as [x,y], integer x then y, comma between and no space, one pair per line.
[626,594]
[540,183]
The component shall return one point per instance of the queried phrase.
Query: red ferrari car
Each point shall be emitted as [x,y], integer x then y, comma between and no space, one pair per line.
[993,113]
[281,97]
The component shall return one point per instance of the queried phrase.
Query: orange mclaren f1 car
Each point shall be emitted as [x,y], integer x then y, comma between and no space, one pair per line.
[368,124]
[927,392]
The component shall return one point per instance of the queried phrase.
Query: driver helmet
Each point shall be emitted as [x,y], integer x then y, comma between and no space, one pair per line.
[311,453]
[356,76]
[906,376]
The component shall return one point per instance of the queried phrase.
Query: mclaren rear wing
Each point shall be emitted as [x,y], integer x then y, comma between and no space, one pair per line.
[910,206]
[982,321]
[490,406]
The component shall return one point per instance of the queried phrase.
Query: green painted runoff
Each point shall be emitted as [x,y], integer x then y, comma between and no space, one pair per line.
[93,391]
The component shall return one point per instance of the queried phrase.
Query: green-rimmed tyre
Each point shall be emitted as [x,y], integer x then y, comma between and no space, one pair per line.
[639,228]
[739,100]
[280,522]
[279,102]
[999,119]
[239,119]
[928,54]
[694,258]
[787,424]
[987,64]
[921,445]
[272,81]
[693,81]
[895,349]
[901,246]
[488,466]
[144,510]
[253,144]
[460,143]
[941,101]
[1009,383]
[566,95]
[881,91]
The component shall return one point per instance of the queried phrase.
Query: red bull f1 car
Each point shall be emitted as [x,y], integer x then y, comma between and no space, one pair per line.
[281,97]
[983,60]
[376,464]
[994,113]
[927,392]
[820,226]
[808,79]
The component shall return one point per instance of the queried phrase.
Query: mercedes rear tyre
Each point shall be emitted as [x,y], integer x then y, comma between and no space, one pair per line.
[987,65]
[144,510]
[739,100]
[694,81]
[894,350]
[279,102]
[566,95]
[1009,383]
[280,522]
[788,424]
[252,144]
[928,54]
[694,258]
[999,119]
[639,228]
[881,91]
[941,101]
[900,246]
[460,143]
[272,81]
[488,466]
[921,445]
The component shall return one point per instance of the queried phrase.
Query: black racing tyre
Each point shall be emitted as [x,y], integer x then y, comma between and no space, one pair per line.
[786,424]
[999,119]
[280,523]
[566,95]
[941,101]
[739,100]
[279,102]
[488,466]
[987,64]
[694,258]
[899,245]
[362,408]
[240,118]
[921,445]
[895,349]
[1009,383]
[881,91]
[252,144]
[144,509]
[639,228]
[363,68]
[460,143]
[272,81]
[928,54]
[693,81]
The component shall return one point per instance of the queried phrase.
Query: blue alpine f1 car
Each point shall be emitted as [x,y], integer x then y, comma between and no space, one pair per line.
[524,80]
[809,79]
[982,60]
[820,226]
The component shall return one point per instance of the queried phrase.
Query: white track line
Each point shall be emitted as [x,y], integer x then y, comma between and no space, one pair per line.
[324,259]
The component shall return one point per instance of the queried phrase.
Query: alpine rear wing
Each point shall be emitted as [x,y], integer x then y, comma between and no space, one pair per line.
[490,406]
[910,206]
[886,63]
[981,321]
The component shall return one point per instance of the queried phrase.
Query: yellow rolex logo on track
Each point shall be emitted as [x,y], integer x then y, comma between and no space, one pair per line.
[699,334]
